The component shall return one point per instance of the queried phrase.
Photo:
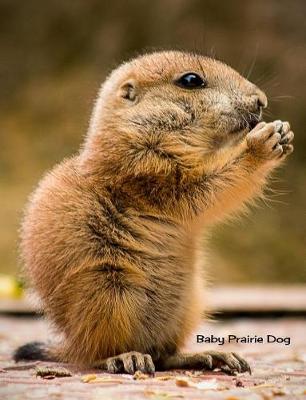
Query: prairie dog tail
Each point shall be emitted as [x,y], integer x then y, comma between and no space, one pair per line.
[35,351]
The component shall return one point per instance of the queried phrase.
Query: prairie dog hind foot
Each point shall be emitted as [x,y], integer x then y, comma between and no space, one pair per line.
[230,363]
[127,363]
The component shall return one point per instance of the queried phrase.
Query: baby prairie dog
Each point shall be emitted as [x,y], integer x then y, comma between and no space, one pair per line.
[110,238]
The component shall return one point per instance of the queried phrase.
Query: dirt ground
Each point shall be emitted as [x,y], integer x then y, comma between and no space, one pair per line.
[279,370]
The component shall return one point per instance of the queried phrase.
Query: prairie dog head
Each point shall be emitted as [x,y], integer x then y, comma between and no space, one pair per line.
[171,109]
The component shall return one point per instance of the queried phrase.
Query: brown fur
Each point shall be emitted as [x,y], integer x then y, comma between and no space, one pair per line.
[110,236]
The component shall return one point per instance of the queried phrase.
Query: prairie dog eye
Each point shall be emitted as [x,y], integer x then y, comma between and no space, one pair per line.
[190,80]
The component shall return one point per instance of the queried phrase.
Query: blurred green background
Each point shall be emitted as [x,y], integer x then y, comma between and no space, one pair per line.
[54,55]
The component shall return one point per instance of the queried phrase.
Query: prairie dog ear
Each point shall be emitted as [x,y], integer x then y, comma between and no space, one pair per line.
[128,90]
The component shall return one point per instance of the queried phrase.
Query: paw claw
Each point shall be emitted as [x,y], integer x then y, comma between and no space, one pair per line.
[149,365]
[278,125]
[245,365]
[228,371]
[229,363]
[111,366]
[128,363]
[209,361]
[287,149]
[287,138]
[285,128]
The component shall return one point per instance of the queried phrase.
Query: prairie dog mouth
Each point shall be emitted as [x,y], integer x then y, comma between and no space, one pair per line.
[247,123]
[254,120]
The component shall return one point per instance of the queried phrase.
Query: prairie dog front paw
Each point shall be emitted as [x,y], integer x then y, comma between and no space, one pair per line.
[270,141]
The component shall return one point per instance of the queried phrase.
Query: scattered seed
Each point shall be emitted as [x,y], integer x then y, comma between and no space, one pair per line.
[210,384]
[92,378]
[164,378]
[140,376]
[265,385]
[88,378]
[157,395]
[48,372]
[280,391]
[182,382]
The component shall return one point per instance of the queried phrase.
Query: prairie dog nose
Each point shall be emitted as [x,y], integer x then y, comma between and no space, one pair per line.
[262,100]
[257,100]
